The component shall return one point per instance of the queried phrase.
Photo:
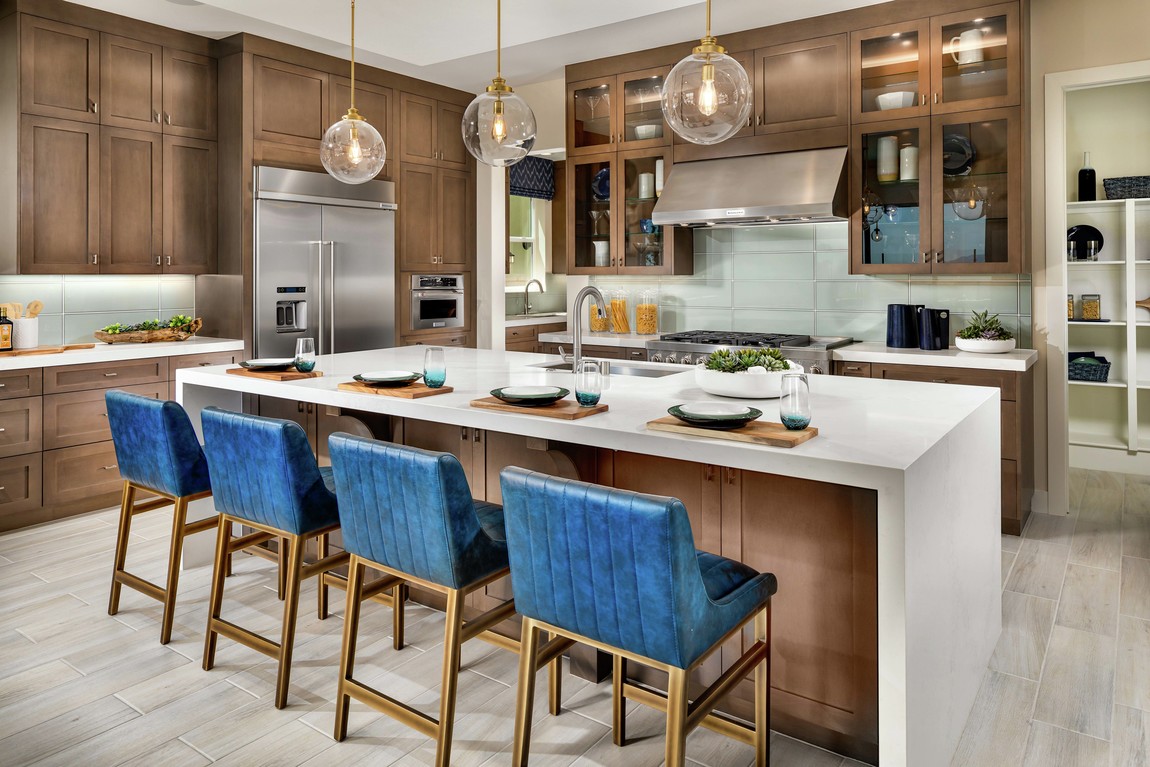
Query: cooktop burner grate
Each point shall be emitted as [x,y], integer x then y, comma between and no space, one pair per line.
[732,338]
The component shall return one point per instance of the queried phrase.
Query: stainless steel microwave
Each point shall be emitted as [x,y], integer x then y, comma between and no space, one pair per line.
[437,301]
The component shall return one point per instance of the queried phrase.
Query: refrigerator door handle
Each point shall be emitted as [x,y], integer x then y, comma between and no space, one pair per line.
[321,316]
[331,296]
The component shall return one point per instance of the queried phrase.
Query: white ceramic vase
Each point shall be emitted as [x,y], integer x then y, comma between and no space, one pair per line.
[985,345]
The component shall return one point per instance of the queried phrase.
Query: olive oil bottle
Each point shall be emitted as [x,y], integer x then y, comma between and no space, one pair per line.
[5,331]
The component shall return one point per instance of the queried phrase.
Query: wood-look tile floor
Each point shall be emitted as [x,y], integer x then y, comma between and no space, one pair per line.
[1069,683]
[80,687]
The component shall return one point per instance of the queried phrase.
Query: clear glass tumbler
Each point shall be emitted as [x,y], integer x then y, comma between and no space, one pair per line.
[588,383]
[795,402]
[434,367]
[305,355]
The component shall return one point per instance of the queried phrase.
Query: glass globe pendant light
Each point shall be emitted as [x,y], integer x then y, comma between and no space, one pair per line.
[707,96]
[498,126]
[352,149]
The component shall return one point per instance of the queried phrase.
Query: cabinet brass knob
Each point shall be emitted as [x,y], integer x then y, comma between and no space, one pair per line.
[109,468]
[111,375]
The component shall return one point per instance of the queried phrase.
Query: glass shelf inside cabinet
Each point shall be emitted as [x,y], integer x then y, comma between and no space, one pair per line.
[643,243]
[891,227]
[975,190]
[592,115]
[643,108]
[974,59]
[592,211]
[890,72]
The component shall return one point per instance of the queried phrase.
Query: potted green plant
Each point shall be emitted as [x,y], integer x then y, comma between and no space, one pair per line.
[748,373]
[984,334]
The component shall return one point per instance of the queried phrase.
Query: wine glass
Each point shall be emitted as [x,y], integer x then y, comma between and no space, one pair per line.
[305,355]
[588,383]
[592,102]
[595,216]
[795,402]
[434,367]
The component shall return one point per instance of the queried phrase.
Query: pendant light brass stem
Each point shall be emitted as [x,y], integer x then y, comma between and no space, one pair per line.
[499,39]
[709,44]
[353,54]
[708,16]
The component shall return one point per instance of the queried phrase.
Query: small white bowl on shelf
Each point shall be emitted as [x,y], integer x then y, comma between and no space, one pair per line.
[985,345]
[895,100]
[651,130]
[747,385]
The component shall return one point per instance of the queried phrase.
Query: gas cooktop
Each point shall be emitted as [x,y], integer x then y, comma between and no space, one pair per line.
[733,338]
[692,346]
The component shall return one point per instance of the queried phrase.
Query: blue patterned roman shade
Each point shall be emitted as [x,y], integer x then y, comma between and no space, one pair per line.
[533,177]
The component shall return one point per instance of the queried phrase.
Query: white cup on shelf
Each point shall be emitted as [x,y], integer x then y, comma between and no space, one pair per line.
[25,333]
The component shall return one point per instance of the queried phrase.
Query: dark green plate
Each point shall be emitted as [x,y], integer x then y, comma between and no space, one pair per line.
[530,396]
[716,420]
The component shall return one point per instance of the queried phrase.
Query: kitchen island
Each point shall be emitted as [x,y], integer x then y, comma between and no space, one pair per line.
[883,530]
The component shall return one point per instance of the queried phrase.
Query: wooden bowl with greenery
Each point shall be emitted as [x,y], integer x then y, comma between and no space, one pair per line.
[178,328]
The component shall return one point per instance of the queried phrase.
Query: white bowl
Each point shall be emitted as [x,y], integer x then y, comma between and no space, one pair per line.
[647,131]
[895,100]
[985,345]
[744,385]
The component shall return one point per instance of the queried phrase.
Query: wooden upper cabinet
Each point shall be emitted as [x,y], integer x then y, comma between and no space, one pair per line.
[803,85]
[59,70]
[417,119]
[418,236]
[291,103]
[375,104]
[190,206]
[189,103]
[59,230]
[890,71]
[449,136]
[131,217]
[590,106]
[131,83]
[456,207]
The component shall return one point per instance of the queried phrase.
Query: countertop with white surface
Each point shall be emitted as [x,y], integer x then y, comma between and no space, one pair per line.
[519,320]
[599,339]
[103,352]
[917,445]
[1019,360]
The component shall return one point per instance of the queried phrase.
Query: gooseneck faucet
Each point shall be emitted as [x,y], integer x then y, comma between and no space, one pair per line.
[527,299]
[577,321]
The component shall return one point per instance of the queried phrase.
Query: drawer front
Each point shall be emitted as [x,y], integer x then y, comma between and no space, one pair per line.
[202,361]
[21,426]
[852,369]
[1005,381]
[635,354]
[69,378]
[604,352]
[79,418]
[554,327]
[521,346]
[76,473]
[522,333]
[20,482]
[21,383]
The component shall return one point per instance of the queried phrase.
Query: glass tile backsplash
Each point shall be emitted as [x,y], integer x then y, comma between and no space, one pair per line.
[76,305]
[796,279]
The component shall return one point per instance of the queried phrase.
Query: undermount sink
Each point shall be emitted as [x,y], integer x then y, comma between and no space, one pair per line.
[533,315]
[619,369]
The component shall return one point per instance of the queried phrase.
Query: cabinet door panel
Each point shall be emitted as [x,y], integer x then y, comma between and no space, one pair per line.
[456,208]
[975,59]
[20,487]
[67,378]
[697,485]
[374,104]
[892,62]
[189,95]
[302,413]
[131,83]
[21,383]
[417,122]
[81,475]
[418,217]
[290,103]
[131,183]
[444,438]
[59,70]
[20,426]
[804,85]
[190,198]
[449,136]
[59,196]
[81,417]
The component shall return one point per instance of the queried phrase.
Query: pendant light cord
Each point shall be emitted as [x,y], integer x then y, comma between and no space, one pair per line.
[499,38]
[353,54]
[708,16]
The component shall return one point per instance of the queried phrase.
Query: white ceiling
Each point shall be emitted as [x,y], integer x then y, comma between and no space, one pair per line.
[453,41]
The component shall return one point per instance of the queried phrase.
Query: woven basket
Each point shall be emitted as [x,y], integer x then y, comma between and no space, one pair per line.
[151,336]
[1126,187]
[1080,371]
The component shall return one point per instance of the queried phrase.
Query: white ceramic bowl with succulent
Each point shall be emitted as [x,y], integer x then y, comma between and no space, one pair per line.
[744,373]
[985,335]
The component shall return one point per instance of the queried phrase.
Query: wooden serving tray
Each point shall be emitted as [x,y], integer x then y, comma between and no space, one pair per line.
[275,375]
[46,350]
[757,432]
[567,409]
[411,391]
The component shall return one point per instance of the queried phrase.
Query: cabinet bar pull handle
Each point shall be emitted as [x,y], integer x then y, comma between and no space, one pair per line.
[760,119]
[2,385]
[853,367]
[476,435]
[926,256]
[109,468]
[463,435]
[3,488]
[169,260]
[730,476]
[156,116]
[95,258]
[111,375]
[3,430]
[941,380]
[95,107]
[168,118]
[103,415]
[935,98]
[157,260]
[922,100]
[938,257]
[708,473]
[205,364]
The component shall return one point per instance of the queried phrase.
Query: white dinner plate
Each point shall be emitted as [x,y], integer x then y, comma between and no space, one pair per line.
[270,362]
[387,376]
[714,409]
[530,391]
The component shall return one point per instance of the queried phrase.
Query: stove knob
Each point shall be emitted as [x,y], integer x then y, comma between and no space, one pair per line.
[816,368]
[671,358]
[656,357]
[687,360]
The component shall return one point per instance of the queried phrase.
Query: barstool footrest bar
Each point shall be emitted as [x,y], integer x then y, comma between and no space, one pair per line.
[141,585]
[322,566]
[253,539]
[555,647]
[701,707]
[202,525]
[417,720]
[481,623]
[156,503]
[715,721]
[245,637]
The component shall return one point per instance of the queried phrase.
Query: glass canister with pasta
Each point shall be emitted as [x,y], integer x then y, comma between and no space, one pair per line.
[647,313]
[620,318]
[596,323]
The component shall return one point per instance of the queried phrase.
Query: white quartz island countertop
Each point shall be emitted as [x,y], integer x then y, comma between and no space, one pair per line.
[930,452]
[103,352]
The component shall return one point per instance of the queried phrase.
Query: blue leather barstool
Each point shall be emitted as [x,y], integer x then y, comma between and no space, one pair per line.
[410,514]
[646,595]
[156,451]
[265,477]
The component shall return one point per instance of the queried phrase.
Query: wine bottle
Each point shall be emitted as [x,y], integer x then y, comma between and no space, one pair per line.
[5,331]
[1087,181]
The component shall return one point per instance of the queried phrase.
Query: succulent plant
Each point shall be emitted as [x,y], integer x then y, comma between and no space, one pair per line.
[739,360]
[114,328]
[985,327]
[179,321]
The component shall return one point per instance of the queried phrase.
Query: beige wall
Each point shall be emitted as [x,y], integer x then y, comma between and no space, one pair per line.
[1067,35]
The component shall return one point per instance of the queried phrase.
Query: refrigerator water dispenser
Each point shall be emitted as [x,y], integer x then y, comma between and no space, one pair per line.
[291,316]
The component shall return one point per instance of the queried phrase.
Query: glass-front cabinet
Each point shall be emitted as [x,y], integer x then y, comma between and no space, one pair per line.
[957,62]
[938,195]
[611,229]
[617,112]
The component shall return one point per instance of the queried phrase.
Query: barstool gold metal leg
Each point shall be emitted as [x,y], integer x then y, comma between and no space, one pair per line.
[216,594]
[618,700]
[347,651]
[763,691]
[281,558]
[398,603]
[555,683]
[179,519]
[452,639]
[321,594]
[525,694]
[295,549]
[676,717]
[122,533]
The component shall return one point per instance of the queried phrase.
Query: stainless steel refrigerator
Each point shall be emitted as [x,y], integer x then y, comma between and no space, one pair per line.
[324,263]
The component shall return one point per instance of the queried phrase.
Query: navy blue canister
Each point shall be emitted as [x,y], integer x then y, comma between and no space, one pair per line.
[902,326]
[934,329]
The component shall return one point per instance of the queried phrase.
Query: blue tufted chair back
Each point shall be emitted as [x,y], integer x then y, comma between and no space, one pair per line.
[156,446]
[619,567]
[263,470]
[412,511]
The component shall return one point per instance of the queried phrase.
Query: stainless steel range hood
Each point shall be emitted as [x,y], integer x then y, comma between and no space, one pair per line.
[785,188]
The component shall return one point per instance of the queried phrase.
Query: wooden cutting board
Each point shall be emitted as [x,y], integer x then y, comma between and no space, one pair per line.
[411,391]
[275,375]
[757,432]
[567,409]
[45,350]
